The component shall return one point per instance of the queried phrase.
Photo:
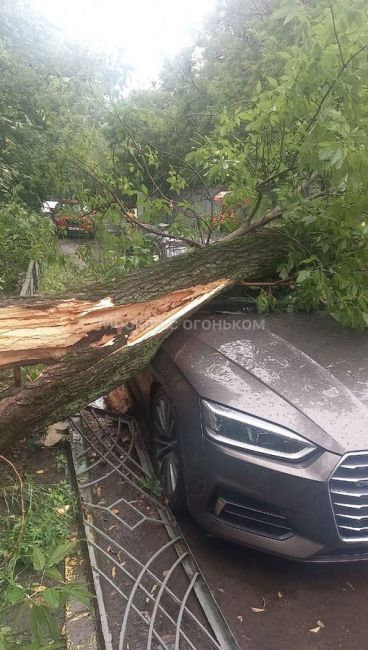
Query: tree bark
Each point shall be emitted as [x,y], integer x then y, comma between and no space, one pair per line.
[98,339]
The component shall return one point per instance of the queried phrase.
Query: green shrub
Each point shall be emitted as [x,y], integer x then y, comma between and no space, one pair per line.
[23,236]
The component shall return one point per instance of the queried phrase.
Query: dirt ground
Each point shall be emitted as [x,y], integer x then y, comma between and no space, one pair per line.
[296,598]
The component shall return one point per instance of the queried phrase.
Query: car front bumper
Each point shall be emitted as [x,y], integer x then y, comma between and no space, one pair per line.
[277,507]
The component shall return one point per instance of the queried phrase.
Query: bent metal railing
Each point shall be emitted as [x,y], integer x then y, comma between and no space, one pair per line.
[150,592]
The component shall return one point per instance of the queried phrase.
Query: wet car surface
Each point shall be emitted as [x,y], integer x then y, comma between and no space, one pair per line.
[260,426]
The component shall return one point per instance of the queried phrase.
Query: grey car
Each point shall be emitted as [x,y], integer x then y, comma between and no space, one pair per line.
[260,427]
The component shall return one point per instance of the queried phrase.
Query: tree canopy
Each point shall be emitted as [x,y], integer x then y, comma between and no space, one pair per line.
[268,105]
[51,104]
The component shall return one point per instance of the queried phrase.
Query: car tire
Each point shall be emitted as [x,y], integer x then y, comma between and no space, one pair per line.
[167,457]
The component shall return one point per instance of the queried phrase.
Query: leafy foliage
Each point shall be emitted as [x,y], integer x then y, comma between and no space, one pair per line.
[31,584]
[23,236]
[104,260]
[50,109]
[270,104]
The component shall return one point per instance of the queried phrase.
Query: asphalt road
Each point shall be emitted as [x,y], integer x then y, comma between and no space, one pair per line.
[294,598]
[69,247]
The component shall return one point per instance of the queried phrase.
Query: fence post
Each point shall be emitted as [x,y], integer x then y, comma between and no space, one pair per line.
[17,377]
[29,288]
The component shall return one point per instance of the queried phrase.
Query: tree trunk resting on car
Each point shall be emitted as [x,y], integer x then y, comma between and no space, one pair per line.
[96,340]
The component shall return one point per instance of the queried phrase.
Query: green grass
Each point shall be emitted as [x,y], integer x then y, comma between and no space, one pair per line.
[43,525]
[33,592]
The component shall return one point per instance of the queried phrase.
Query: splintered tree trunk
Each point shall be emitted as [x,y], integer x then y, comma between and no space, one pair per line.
[98,339]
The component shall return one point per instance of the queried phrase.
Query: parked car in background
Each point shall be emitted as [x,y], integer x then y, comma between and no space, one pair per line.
[70,218]
[260,427]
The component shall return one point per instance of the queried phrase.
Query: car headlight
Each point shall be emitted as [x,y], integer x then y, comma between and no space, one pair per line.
[252,434]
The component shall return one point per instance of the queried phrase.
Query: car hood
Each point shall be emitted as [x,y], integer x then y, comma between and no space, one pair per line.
[303,371]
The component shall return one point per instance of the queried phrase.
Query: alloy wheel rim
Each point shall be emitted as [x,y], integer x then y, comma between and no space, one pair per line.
[165,445]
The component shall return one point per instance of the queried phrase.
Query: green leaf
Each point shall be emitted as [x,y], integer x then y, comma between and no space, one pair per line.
[39,559]
[15,595]
[292,14]
[272,82]
[51,624]
[246,115]
[59,553]
[42,622]
[303,275]
[265,302]
[51,597]
[54,574]
[37,622]
[79,593]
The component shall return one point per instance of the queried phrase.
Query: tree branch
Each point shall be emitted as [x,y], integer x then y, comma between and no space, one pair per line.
[127,216]
[270,216]
[336,34]
[332,85]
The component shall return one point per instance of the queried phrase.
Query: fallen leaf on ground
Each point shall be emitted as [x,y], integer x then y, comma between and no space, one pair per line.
[62,510]
[280,595]
[260,609]
[240,618]
[320,626]
[113,572]
[40,471]
[350,585]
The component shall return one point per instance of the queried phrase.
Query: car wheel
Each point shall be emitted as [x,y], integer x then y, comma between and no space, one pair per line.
[166,450]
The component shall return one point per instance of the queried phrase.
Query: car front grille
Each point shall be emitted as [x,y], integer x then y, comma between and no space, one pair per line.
[252,516]
[349,497]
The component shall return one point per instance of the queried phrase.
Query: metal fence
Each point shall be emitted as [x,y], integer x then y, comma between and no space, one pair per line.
[150,592]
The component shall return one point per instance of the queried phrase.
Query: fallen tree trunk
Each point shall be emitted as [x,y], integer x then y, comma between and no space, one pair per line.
[98,339]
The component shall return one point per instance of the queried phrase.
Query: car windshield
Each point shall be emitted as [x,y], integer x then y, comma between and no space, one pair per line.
[236,300]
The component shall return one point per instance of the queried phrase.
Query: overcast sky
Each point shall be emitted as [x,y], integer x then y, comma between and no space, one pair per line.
[147,30]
